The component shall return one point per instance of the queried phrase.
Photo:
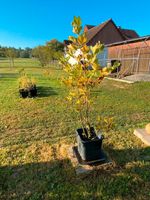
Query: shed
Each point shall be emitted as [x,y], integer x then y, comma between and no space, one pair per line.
[134,55]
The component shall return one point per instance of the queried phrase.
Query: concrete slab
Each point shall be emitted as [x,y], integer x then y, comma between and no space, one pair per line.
[138,77]
[132,78]
[119,80]
[143,135]
[81,168]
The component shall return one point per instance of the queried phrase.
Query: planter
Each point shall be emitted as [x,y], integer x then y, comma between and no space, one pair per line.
[89,150]
[33,92]
[23,93]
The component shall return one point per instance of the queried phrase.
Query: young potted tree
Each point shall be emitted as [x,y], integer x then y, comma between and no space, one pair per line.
[27,87]
[83,73]
[32,89]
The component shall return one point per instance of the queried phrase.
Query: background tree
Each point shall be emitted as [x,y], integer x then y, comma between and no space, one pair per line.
[56,48]
[43,54]
[11,54]
[51,51]
[25,53]
[2,54]
[19,52]
[55,45]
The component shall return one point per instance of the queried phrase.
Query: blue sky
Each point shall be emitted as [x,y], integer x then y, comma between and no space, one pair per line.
[33,22]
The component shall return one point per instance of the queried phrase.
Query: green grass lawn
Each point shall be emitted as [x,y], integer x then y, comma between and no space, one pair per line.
[34,163]
[19,62]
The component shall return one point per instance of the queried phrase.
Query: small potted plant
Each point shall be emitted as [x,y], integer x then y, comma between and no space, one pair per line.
[32,89]
[83,73]
[27,87]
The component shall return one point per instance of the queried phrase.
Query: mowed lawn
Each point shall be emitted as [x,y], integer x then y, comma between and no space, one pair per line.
[35,135]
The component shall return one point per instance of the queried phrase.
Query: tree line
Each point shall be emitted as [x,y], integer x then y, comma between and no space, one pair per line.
[51,51]
[17,53]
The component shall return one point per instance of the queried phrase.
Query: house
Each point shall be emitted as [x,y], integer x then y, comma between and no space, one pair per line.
[108,33]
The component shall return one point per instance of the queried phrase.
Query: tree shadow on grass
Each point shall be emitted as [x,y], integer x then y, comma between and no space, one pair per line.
[129,178]
[124,156]
[34,180]
[45,91]
[56,179]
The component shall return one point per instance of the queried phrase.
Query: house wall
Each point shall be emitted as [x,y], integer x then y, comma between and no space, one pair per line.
[109,34]
[134,57]
[102,57]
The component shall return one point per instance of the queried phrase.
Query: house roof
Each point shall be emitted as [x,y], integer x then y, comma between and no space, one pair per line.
[145,38]
[128,34]
[96,29]
[91,31]
[89,26]
[124,33]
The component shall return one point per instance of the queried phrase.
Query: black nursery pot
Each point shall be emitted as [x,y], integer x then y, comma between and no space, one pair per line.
[33,92]
[23,93]
[89,150]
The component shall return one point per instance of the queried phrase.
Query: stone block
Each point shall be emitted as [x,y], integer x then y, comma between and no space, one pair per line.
[143,135]
[82,168]
[147,128]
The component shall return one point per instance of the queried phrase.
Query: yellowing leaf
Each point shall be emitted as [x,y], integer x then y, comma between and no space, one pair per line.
[82,39]
[69,98]
[85,49]
[73,94]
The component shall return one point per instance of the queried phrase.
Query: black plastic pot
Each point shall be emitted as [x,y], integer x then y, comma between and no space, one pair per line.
[23,93]
[89,149]
[33,92]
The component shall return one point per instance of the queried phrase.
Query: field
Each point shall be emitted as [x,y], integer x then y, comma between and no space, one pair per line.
[35,135]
